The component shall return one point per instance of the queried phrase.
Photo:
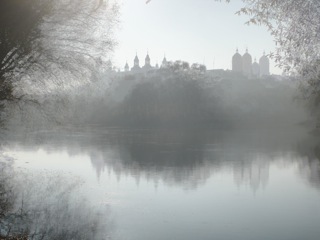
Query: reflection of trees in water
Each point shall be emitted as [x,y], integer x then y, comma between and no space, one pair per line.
[256,174]
[171,156]
[309,163]
[6,194]
[185,158]
[190,158]
[44,206]
[310,170]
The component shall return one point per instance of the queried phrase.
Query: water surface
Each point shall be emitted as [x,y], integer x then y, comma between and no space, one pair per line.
[186,184]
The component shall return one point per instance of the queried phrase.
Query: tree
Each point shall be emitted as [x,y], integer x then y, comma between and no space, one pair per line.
[295,26]
[47,209]
[44,40]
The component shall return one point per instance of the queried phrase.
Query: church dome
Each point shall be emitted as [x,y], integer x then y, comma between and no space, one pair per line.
[264,65]
[247,57]
[237,62]
[147,57]
[264,59]
[237,55]
[255,69]
[247,63]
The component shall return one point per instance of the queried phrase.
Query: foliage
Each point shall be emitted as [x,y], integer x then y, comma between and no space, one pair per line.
[294,25]
[188,98]
[6,193]
[47,209]
[44,42]
[174,96]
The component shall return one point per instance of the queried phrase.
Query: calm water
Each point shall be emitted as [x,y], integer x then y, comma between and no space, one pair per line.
[185,184]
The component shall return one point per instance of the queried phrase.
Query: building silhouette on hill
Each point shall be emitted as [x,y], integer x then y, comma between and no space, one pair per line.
[147,64]
[243,64]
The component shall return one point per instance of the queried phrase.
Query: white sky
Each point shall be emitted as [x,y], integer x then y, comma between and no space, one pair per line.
[202,31]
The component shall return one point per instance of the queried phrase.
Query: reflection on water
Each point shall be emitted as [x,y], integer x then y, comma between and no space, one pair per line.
[47,205]
[214,171]
[180,157]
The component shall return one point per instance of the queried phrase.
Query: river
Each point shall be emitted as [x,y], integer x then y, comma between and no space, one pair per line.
[182,184]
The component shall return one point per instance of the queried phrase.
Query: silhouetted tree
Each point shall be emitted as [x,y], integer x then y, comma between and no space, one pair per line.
[175,96]
[295,28]
[47,210]
[51,37]
[6,193]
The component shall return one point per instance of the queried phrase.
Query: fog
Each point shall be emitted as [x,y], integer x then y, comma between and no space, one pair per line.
[80,162]
[172,97]
[47,205]
[173,127]
[176,151]
[180,157]
[176,109]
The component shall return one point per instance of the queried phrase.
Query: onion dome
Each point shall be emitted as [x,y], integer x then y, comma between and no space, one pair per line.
[255,69]
[264,65]
[237,62]
[247,63]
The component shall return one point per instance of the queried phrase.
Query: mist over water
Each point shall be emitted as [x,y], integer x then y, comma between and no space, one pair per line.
[183,183]
[171,153]
[170,97]
[163,98]
[176,151]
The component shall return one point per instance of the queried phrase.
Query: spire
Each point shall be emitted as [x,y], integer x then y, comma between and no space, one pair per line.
[147,57]
[136,60]
[126,67]
[164,58]
[164,61]
[147,60]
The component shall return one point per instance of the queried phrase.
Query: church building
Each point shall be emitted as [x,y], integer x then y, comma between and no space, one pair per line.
[136,65]
[243,64]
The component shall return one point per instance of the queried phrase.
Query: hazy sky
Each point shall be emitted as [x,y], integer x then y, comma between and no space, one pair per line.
[202,31]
